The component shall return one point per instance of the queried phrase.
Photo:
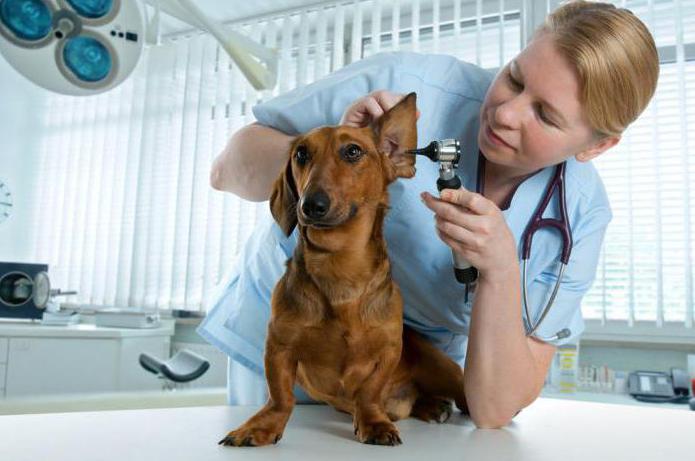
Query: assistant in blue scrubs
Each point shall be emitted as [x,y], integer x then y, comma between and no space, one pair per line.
[450,94]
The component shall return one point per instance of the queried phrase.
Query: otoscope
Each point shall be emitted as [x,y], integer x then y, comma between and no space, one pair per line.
[448,153]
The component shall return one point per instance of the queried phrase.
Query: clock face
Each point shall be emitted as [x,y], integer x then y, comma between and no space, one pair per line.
[5,202]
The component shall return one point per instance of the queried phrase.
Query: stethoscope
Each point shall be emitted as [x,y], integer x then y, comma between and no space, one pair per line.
[537,222]
[447,154]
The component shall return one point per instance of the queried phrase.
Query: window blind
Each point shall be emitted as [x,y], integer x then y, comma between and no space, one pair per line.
[645,271]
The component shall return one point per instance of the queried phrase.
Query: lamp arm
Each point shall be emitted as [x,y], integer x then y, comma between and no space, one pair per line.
[240,48]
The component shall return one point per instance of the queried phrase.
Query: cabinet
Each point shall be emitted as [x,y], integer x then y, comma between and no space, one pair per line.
[84,358]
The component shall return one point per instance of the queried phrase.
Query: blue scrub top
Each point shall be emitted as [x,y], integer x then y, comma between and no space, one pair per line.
[449,96]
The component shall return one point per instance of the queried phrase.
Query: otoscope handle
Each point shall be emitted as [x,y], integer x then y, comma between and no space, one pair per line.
[467,275]
[463,270]
[447,153]
[451,183]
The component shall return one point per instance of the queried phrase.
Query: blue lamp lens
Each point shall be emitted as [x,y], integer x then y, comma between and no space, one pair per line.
[27,19]
[88,59]
[91,8]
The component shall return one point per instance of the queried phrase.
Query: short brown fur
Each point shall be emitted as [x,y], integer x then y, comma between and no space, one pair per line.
[336,326]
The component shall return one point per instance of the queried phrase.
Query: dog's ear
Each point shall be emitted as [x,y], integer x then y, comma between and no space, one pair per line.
[283,200]
[396,133]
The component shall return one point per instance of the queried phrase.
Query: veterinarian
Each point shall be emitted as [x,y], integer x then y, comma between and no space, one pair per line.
[588,72]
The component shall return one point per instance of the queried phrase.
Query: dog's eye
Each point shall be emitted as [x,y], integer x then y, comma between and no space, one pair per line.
[352,152]
[302,155]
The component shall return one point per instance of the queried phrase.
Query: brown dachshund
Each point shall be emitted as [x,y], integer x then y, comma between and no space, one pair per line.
[337,316]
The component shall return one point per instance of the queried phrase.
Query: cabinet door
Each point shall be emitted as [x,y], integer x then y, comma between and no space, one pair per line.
[41,366]
[3,372]
[3,365]
[3,349]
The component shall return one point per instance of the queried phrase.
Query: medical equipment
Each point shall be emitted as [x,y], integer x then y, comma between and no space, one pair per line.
[563,226]
[447,152]
[76,47]
[241,49]
[25,290]
[85,47]
[183,367]
[128,317]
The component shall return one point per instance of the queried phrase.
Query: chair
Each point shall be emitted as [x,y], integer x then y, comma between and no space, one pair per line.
[183,367]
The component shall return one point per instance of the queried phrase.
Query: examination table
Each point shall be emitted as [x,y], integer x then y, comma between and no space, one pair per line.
[549,429]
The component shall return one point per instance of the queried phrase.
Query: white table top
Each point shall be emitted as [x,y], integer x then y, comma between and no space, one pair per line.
[550,429]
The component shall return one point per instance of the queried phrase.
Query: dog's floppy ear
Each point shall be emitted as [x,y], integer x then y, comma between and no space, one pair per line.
[283,200]
[396,132]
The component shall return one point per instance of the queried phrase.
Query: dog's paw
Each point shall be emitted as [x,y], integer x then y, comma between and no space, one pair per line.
[382,433]
[428,408]
[251,437]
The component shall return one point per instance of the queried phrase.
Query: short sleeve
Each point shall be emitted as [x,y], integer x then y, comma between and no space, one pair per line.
[324,101]
[577,280]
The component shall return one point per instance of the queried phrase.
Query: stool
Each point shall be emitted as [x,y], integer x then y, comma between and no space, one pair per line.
[182,367]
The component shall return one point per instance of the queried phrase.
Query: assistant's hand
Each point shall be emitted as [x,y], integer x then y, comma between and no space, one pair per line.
[475,229]
[369,108]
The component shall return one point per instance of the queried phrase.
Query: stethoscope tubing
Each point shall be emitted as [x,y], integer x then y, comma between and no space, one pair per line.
[530,328]
[535,223]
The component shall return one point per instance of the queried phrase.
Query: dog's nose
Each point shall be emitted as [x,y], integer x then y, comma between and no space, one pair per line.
[316,205]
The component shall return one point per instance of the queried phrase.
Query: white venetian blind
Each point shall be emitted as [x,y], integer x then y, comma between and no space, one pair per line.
[126,189]
[132,220]
[646,268]
[484,32]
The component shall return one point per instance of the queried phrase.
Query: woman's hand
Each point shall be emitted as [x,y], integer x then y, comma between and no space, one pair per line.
[475,229]
[369,108]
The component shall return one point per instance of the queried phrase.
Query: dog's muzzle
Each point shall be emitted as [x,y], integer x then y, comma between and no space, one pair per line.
[315,210]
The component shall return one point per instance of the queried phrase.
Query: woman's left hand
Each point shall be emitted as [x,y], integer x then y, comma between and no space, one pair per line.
[475,229]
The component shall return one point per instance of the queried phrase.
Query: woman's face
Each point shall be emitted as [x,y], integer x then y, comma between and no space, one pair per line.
[531,117]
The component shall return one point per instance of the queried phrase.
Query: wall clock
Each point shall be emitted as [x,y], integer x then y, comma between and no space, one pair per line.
[5,202]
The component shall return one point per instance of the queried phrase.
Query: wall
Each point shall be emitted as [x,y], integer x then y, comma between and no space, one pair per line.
[21,104]
[629,357]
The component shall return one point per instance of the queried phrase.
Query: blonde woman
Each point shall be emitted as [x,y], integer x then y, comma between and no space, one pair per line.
[588,72]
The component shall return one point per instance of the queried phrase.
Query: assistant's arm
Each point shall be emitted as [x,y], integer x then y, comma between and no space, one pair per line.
[251,161]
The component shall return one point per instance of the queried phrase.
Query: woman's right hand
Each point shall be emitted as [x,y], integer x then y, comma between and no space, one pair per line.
[368,109]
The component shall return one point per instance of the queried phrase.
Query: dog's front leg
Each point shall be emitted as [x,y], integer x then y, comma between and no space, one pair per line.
[372,424]
[267,426]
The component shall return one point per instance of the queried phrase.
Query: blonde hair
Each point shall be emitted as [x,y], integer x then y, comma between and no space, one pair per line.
[615,58]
